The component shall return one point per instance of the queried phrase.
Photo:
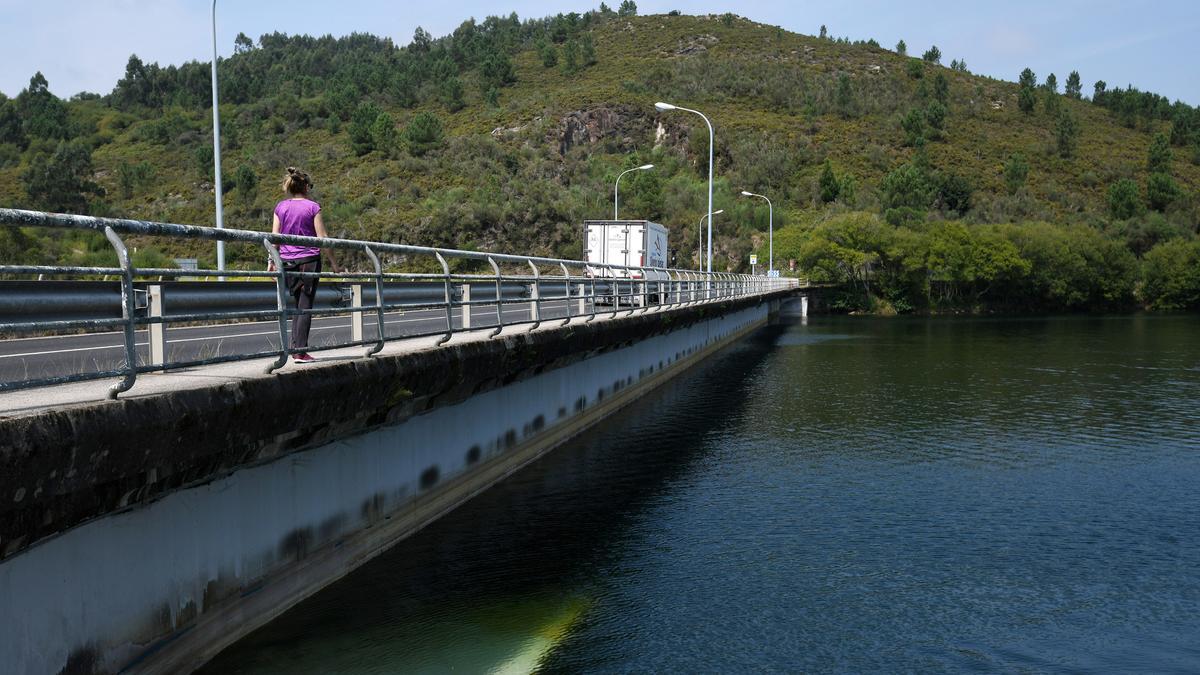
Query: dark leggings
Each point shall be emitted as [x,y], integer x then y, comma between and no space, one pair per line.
[304,292]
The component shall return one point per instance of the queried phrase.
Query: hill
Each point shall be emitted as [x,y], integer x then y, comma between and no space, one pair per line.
[926,186]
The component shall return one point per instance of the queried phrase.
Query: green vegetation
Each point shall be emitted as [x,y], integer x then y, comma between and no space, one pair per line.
[922,187]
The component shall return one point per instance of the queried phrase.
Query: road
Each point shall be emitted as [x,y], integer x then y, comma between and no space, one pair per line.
[29,358]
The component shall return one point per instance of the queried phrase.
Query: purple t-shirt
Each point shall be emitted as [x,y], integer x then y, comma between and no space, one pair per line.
[296,217]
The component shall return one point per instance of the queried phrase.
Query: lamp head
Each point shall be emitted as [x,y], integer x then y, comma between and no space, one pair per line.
[717,213]
[664,106]
[645,167]
[748,194]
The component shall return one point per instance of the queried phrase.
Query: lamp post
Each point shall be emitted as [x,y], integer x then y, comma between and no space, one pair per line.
[217,144]
[617,187]
[770,230]
[700,238]
[664,107]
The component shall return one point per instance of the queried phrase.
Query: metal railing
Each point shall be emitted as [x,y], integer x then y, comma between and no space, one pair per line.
[587,290]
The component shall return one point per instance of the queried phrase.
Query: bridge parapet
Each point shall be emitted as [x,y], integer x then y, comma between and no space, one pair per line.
[469,289]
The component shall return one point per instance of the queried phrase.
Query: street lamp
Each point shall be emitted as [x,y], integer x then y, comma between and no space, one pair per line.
[700,238]
[617,187]
[217,144]
[664,107]
[770,230]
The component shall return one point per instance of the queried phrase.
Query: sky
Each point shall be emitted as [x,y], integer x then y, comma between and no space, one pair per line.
[83,45]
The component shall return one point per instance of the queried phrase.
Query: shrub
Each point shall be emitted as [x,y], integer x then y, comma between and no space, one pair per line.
[1171,273]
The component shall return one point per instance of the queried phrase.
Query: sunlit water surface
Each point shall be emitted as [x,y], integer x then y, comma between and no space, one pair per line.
[849,495]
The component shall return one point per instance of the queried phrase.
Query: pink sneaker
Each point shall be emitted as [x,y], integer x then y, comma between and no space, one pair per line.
[303,357]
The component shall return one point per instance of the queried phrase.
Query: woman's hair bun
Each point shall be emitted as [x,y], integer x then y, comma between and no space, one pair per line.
[297,182]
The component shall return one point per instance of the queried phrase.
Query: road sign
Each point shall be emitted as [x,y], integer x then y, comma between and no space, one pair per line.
[753,260]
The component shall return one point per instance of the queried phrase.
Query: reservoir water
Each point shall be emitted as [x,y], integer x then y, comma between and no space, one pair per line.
[848,495]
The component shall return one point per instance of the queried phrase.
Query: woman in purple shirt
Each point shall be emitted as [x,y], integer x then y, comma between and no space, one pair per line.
[299,215]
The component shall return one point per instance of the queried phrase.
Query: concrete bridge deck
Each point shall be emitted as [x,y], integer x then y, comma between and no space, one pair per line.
[203,503]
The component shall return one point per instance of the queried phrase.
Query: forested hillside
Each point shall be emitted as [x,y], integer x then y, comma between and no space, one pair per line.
[926,187]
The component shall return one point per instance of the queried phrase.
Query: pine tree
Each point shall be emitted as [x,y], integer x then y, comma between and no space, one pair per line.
[932,55]
[451,94]
[1052,83]
[844,96]
[1124,200]
[247,183]
[587,50]
[1158,159]
[361,139]
[423,133]
[383,134]
[1016,171]
[627,8]
[1051,103]
[901,48]
[570,60]
[1074,87]
[935,117]
[1026,99]
[1066,133]
[1161,191]
[62,182]
[941,89]
[830,187]
[914,128]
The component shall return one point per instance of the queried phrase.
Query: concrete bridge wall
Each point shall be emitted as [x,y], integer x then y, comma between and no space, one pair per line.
[151,533]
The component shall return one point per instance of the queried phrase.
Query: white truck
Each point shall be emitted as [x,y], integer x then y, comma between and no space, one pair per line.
[632,243]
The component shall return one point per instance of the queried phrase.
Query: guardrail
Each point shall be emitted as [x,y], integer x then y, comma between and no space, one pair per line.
[587,289]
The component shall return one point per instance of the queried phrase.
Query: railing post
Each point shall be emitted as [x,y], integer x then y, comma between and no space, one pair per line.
[567,288]
[128,313]
[616,288]
[499,298]
[449,317]
[382,328]
[466,305]
[535,307]
[356,316]
[645,295]
[281,303]
[592,282]
[158,331]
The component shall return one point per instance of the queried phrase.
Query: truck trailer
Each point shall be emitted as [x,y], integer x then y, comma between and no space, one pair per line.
[637,244]
[631,243]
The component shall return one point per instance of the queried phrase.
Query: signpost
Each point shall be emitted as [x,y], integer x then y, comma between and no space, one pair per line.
[753,262]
